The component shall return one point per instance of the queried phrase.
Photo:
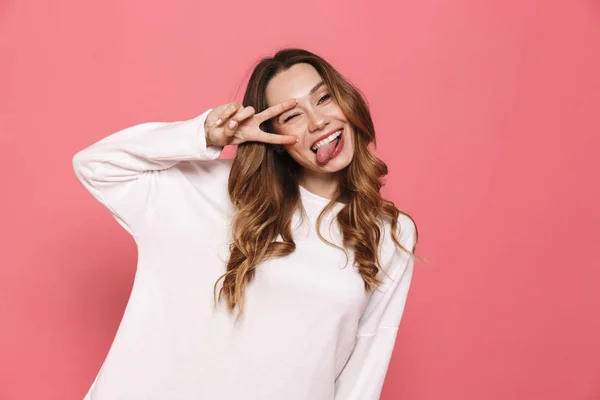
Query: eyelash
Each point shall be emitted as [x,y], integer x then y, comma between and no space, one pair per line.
[292,116]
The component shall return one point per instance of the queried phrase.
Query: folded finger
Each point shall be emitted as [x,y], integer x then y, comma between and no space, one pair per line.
[244,113]
[229,111]
[234,121]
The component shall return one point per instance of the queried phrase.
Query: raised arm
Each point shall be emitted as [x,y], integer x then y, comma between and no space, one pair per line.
[120,169]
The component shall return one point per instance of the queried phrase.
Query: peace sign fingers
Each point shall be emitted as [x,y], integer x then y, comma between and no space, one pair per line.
[246,124]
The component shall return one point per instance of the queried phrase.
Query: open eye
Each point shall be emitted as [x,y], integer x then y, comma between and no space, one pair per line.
[326,96]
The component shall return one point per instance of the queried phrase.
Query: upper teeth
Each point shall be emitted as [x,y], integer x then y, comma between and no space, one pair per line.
[328,139]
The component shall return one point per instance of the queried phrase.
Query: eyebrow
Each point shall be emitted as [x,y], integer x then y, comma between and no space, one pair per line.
[312,91]
[317,86]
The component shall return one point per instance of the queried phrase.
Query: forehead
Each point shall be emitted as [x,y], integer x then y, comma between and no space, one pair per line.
[294,82]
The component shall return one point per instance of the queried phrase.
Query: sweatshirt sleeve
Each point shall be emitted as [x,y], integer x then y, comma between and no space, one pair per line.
[121,170]
[363,375]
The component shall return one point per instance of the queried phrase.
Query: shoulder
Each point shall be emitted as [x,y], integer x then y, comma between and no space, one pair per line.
[407,231]
[191,190]
[219,167]
[406,234]
[208,177]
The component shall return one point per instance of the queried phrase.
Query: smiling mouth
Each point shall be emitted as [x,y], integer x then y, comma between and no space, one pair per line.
[336,140]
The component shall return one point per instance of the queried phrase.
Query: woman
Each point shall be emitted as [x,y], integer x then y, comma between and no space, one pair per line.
[239,293]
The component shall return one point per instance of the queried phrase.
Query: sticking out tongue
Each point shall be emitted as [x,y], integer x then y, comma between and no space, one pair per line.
[324,152]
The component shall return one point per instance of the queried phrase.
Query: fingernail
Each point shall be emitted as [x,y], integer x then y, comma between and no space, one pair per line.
[218,122]
[232,124]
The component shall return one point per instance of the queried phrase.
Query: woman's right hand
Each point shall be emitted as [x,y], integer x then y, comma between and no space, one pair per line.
[245,123]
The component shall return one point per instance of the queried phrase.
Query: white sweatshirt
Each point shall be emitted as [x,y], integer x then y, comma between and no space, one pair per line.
[309,330]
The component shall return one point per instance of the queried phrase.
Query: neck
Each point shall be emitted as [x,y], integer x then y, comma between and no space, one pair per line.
[321,184]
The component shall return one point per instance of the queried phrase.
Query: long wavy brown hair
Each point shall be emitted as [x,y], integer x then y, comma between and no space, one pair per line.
[263,187]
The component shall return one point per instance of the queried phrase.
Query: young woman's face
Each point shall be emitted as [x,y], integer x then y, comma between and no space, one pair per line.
[316,117]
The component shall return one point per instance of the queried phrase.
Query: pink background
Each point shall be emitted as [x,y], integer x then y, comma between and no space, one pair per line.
[488,115]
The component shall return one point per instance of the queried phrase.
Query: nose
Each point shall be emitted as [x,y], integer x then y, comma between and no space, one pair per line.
[316,121]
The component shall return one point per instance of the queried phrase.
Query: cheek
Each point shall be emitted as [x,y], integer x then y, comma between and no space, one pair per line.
[302,157]
[337,112]
[294,150]
[277,130]
[352,144]
[294,127]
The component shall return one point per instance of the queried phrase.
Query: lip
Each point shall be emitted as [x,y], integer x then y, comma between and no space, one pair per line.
[325,135]
[337,150]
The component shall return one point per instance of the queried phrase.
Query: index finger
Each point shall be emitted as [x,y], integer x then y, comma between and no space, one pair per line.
[275,110]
